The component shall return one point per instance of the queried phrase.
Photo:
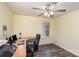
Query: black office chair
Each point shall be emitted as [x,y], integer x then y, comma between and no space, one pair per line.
[36,43]
[8,49]
[32,45]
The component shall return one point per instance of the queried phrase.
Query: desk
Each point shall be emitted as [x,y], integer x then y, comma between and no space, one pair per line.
[26,38]
[20,52]
[21,49]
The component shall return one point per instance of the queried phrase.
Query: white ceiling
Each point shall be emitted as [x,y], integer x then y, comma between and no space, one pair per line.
[25,8]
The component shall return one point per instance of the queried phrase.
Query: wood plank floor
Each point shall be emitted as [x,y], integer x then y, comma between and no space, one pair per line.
[52,50]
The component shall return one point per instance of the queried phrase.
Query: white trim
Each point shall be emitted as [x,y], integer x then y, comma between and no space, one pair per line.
[67,49]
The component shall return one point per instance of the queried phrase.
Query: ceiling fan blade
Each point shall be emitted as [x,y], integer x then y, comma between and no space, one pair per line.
[37,8]
[54,3]
[41,14]
[63,10]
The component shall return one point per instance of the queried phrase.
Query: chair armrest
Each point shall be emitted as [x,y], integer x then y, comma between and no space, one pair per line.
[30,48]
[30,42]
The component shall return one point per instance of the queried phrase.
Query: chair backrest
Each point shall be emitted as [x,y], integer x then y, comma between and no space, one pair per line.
[37,39]
[14,38]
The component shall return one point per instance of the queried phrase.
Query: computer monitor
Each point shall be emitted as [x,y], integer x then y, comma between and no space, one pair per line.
[14,38]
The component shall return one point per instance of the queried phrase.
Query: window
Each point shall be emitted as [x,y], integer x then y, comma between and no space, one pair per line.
[46,29]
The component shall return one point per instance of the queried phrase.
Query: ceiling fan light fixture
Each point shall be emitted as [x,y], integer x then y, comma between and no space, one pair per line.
[51,13]
[46,13]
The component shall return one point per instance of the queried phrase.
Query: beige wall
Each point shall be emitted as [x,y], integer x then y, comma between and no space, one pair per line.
[67,31]
[29,26]
[66,28]
[5,19]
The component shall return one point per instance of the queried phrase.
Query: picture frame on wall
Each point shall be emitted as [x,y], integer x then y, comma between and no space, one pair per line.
[4,30]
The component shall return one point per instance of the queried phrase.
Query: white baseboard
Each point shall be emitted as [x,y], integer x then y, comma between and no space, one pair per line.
[67,49]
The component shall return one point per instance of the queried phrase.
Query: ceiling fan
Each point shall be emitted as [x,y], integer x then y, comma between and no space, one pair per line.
[49,9]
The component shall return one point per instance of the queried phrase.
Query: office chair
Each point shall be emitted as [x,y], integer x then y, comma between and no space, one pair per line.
[8,49]
[32,45]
